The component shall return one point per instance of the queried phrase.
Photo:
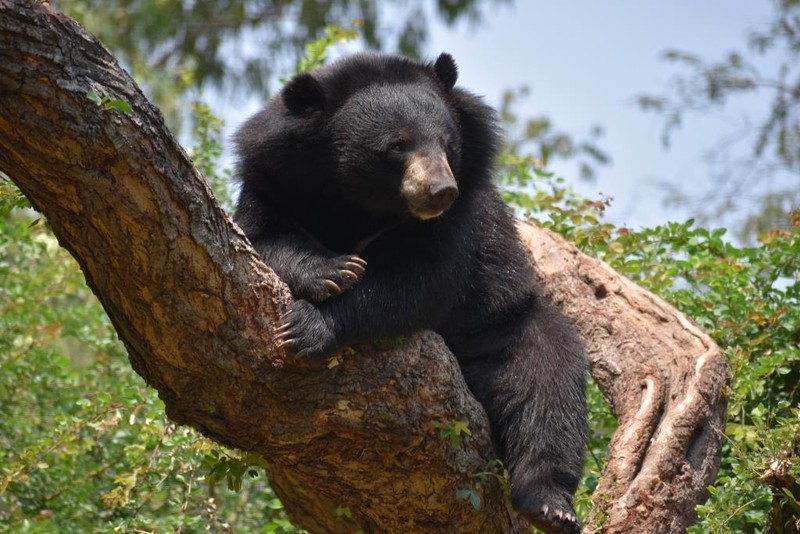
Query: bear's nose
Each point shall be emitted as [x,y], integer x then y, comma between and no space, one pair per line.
[443,194]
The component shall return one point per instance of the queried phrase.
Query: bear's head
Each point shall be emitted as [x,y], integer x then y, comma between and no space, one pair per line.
[392,133]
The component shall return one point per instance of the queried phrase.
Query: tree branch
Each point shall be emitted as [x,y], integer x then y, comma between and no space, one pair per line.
[196,310]
[662,376]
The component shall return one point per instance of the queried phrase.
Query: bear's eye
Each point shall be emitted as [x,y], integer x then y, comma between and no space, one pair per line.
[398,145]
[448,144]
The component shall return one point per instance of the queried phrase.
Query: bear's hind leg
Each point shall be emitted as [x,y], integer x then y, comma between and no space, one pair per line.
[534,394]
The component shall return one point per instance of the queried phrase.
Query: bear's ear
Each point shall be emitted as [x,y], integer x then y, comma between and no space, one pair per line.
[446,70]
[303,94]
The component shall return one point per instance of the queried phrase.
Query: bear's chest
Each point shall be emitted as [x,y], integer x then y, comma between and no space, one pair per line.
[343,231]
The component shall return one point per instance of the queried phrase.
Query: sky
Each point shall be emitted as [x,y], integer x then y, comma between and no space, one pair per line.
[585,62]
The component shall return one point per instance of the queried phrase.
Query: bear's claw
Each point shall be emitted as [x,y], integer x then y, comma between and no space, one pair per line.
[554,521]
[357,263]
[332,287]
[304,332]
[328,278]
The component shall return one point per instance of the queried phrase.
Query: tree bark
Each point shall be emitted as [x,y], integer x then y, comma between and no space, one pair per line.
[196,310]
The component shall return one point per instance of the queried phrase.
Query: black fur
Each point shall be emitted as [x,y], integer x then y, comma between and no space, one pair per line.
[322,169]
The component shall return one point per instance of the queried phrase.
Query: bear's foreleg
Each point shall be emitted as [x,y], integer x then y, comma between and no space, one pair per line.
[391,300]
[311,271]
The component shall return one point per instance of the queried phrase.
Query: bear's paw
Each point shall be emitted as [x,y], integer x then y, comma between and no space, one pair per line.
[304,332]
[550,511]
[327,278]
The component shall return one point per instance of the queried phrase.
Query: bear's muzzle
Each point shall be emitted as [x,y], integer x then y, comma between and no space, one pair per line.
[429,187]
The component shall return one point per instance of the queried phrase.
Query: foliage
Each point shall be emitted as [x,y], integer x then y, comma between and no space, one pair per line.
[495,472]
[771,141]
[108,103]
[469,495]
[316,52]
[452,431]
[207,151]
[746,298]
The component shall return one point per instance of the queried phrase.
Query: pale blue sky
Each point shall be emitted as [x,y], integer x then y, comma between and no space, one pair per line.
[585,62]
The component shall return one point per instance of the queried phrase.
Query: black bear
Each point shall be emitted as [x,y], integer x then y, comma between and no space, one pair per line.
[366,186]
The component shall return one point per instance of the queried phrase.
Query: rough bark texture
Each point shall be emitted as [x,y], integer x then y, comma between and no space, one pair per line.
[196,310]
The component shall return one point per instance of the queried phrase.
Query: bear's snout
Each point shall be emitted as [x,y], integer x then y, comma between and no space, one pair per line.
[443,193]
[429,187]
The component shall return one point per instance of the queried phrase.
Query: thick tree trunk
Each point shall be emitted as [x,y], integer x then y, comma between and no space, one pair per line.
[196,310]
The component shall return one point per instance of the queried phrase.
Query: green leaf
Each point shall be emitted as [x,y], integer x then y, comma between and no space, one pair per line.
[119,105]
[469,495]
[94,97]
